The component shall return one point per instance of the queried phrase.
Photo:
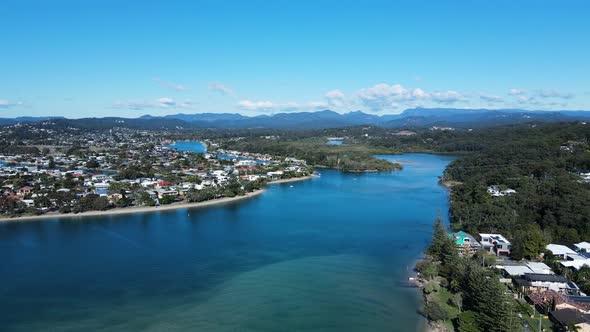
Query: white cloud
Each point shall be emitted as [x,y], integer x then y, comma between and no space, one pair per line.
[256,105]
[491,98]
[163,102]
[8,104]
[336,98]
[221,88]
[447,97]
[170,85]
[385,96]
[554,94]
[335,94]
[269,106]
[516,92]
[523,99]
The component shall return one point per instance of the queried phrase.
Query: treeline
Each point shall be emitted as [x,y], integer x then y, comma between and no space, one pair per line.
[315,151]
[6,148]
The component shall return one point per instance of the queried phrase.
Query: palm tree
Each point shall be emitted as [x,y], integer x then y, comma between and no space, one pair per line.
[571,326]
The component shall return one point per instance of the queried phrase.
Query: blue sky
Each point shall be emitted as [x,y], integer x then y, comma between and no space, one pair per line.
[129,58]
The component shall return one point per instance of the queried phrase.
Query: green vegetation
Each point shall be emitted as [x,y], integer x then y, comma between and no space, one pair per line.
[348,158]
[463,294]
[542,164]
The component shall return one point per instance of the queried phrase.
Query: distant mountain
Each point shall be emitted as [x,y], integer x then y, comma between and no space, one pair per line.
[9,121]
[473,118]
[411,117]
[207,117]
[416,117]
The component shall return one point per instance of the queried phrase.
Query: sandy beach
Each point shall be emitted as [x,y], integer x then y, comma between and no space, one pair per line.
[294,179]
[139,209]
[142,209]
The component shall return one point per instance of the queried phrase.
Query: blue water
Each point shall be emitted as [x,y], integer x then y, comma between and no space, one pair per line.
[197,147]
[327,254]
[335,142]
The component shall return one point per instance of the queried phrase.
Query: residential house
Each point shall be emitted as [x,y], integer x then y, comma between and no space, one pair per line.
[564,318]
[25,190]
[466,244]
[274,175]
[522,269]
[582,246]
[560,251]
[550,300]
[495,244]
[495,191]
[536,282]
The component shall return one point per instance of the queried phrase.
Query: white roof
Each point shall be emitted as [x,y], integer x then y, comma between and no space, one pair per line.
[532,267]
[540,268]
[558,249]
[497,236]
[578,264]
[576,257]
[583,245]
[517,270]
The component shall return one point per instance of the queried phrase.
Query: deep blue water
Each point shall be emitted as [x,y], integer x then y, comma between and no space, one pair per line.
[197,147]
[324,255]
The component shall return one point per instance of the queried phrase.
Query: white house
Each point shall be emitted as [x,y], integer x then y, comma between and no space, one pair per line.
[560,251]
[582,246]
[496,192]
[495,244]
[531,267]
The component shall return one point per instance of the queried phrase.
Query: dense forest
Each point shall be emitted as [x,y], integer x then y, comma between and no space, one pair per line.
[542,164]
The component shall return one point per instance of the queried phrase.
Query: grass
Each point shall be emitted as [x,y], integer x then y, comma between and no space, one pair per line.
[526,311]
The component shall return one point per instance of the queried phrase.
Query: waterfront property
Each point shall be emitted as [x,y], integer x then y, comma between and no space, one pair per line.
[495,244]
[466,244]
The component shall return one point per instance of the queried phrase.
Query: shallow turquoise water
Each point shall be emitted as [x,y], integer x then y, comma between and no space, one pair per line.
[327,254]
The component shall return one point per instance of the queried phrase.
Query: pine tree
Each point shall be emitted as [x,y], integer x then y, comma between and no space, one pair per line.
[439,237]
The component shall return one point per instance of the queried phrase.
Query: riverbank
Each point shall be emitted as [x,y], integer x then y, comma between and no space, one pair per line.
[450,183]
[142,209]
[139,209]
[303,178]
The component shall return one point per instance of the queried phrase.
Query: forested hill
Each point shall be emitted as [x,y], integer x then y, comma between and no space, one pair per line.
[541,162]
[417,117]
[543,165]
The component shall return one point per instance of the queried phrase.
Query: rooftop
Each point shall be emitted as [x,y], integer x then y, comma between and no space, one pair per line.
[558,249]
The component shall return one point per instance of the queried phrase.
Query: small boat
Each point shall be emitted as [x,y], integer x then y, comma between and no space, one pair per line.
[291,186]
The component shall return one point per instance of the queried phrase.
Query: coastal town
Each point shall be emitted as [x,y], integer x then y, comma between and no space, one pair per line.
[122,169]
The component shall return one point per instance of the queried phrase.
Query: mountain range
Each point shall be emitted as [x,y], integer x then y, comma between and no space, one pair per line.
[415,117]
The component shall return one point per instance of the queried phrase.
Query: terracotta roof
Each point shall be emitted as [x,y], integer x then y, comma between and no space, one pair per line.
[545,297]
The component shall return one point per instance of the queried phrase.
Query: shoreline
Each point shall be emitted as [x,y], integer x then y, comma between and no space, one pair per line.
[143,209]
[302,178]
[136,209]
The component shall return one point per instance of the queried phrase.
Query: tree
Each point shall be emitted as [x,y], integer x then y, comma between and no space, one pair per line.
[437,311]
[485,295]
[467,322]
[427,268]
[439,238]
[528,243]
